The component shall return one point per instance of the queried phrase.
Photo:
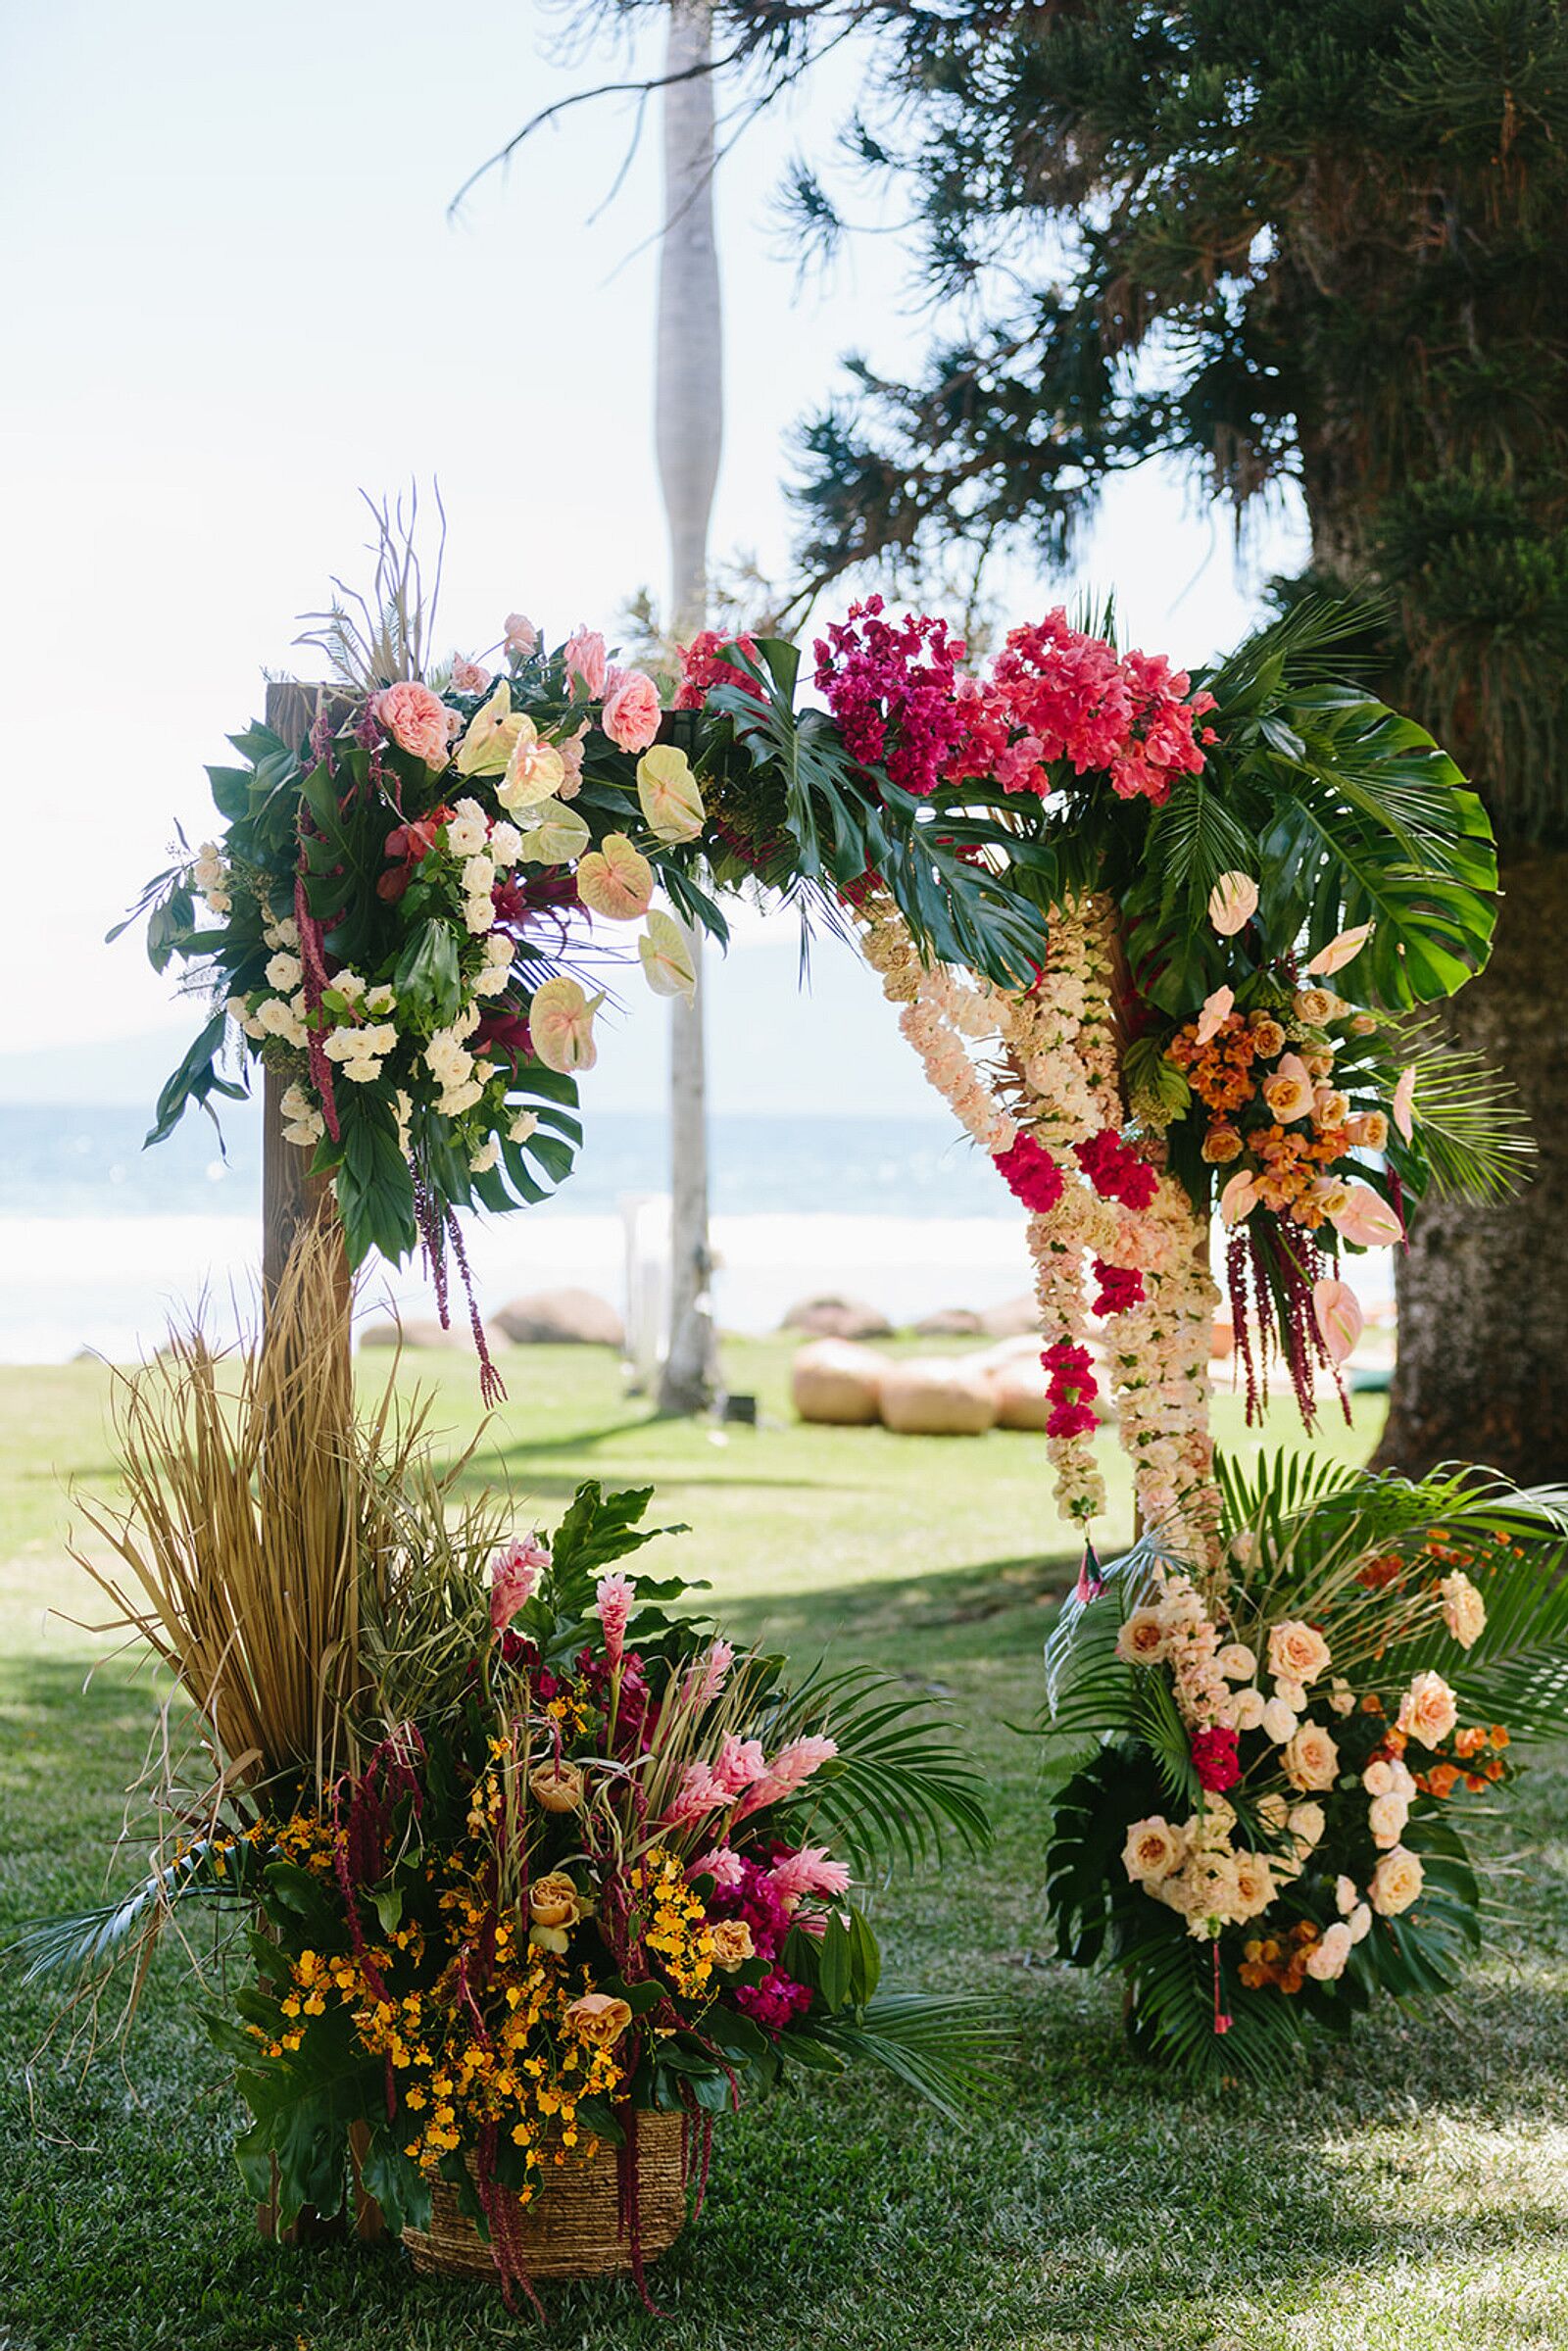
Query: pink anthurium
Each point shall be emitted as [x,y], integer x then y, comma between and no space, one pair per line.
[1217,1010]
[1232,903]
[616,880]
[561,1025]
[1402,1107]
[1337,1311]
[1339,952]
[1367,1220]
[1239,1198]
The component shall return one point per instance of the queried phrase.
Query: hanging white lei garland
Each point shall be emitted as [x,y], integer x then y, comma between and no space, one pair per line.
[1035,1077]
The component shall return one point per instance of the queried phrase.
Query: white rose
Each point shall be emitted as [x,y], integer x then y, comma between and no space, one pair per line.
[285,973]
[506,844]
[485,1157]
[1292,1692]
[1248,1710]
[522,1126]
[1279,1722]
[1387,1816]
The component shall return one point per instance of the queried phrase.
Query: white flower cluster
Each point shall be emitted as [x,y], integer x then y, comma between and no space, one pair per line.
[460,1078]
[210,877]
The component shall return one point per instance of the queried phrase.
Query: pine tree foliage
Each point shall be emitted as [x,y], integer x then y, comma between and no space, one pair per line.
[1319,243]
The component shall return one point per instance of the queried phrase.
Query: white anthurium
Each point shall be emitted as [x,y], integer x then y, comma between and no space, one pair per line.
[561,1025]
[535,770]
[1403,1107]
[668,795]
[554,834]
[490,734]
[667,958]
[616,880]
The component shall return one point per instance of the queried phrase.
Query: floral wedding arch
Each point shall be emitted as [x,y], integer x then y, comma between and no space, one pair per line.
[1155,940]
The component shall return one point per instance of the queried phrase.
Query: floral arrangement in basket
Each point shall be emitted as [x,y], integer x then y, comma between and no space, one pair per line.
[1275,1823]
[1107,896]
[553,1855]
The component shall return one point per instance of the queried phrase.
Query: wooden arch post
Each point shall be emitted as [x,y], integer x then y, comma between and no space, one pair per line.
[292,1201]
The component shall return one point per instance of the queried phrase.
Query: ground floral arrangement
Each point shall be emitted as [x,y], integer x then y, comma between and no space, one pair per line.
[1156,940]
[547,1855]
[1292,1749]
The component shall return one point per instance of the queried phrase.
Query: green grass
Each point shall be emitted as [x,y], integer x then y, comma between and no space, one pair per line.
[1415,2196]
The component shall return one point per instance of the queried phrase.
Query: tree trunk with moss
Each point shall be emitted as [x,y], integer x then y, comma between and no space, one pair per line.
[1482,1292]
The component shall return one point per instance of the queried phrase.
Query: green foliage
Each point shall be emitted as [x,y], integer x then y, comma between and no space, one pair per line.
[1318,243]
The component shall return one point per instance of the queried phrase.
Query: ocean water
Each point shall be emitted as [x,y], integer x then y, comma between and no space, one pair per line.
[101,1242]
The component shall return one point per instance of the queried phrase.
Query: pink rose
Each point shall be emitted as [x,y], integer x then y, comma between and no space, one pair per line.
[520,635]
[467,677]
[587,665]
[631,714]
[418,720]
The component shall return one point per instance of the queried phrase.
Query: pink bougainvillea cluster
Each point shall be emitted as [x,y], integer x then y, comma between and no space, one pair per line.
[1055,694]
[895,691]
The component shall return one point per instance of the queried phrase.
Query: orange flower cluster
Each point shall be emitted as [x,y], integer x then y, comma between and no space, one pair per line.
[1280,1959]
[1470,1746]
[1290,1162]
[1220,1072]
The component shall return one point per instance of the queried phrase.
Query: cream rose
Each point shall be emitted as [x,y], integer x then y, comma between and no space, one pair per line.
[1142,1638]
[1306,1823]
[732,1944]
[1387,1816]
[1297,1652]
[1347,1894]
[1429,1710]
[598,2018]
[557,1787]
[1325,1962]
[1153,1850]
[1310,1758]
[1254,1884]
[1237,1662]
[1359,1922]
[1397,1883]
[1464,1611]
[1313,1006]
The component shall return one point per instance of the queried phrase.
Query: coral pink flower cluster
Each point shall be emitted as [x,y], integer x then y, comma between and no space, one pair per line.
[703,666]
[1056,694]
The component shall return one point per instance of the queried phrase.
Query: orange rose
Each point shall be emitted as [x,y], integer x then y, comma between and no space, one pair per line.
[598,2019]
[557,1787]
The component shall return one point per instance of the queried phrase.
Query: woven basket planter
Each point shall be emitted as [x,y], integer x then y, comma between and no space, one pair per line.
[576,2224]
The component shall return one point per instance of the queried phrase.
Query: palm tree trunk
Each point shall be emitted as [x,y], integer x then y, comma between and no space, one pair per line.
[689,426]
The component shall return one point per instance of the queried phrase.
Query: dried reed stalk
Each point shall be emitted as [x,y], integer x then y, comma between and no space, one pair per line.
[251,1497]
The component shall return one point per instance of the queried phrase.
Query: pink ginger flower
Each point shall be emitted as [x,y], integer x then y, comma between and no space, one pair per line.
[789,1771]
[514,1572]
[741,1763]
[697,1793]
[720,1863]
[613,1605]
[811,1870]
[705,1681]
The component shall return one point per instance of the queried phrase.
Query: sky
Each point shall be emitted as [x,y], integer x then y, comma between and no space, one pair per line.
[236,298]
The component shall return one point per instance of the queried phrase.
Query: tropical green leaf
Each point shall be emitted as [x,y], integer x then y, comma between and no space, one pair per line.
[946,2048]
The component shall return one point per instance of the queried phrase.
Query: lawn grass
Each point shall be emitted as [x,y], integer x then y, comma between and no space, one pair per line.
[1416,2196]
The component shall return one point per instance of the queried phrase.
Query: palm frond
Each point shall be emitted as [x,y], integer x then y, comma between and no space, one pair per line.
[946,2048]
[85,1943]
[1471,1128]
[900,1784]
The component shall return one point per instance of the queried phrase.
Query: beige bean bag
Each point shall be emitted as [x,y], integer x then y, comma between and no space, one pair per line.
[835,1381]
[1021,1390]
[937,1397]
